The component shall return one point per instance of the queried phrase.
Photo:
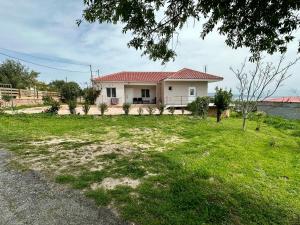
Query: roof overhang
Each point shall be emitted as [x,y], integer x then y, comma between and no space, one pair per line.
[207,80]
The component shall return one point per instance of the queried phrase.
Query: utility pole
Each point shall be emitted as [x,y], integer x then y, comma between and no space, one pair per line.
[91,72]
[98,71]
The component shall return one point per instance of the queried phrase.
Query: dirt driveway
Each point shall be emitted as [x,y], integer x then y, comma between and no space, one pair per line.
[26,198]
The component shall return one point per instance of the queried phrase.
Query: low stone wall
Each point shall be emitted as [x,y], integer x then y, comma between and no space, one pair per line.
[284,109]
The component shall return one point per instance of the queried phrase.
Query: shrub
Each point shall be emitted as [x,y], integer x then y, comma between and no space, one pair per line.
[272,142]
[86,107]
[47,100]
[171,110]
[90,95]
[103,108]
[72,106]
[259,118]
[6,98]
[140,111]
[161,108]
[126,108]
[222,101]
[150,109]
[199,107]
[70,91]
[54,106]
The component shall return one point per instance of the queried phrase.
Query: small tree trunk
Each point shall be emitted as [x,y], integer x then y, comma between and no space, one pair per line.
[219,113]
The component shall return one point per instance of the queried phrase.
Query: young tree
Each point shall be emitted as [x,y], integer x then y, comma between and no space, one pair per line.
[259,83]
[222,101]
[265,25]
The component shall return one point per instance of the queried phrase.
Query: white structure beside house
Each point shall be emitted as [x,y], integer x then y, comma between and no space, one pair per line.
[170,88]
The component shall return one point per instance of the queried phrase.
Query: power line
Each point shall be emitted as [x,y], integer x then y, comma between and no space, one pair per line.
[45,58]
[37,64]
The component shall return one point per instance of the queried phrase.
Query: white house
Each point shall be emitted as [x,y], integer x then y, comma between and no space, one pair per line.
[170,88]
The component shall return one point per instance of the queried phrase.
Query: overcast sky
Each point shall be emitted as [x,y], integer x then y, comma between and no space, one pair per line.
[48,29]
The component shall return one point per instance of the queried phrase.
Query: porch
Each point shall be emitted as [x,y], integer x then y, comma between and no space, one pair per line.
[141,94]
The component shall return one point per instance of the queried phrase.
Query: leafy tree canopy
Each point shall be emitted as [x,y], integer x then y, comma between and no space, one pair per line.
[222,101]
[70,91]
[261,25]
[56,85]
[16,74]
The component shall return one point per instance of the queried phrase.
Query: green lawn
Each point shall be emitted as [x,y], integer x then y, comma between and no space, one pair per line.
[181,170]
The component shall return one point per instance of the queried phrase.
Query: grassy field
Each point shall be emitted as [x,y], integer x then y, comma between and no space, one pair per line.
[167,169]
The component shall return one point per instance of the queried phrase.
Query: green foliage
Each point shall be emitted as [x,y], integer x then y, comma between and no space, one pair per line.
[222,101]
[171,110]
[140,111]
[151,109]
[90,95]
[280,123]
[56,85]
[103,107]
[72,106]
[6,98]
[199,107]
[161,108]
[16,74]
[54,105]
[266,32]
[86,107]
[259,118]
[126,108]
[70,91]
[47,100]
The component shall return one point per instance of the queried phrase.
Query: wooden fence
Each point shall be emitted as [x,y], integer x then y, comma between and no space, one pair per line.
[26,94]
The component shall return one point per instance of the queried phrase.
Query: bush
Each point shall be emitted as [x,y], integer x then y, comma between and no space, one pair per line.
[161,108]
[259,118]
[199,107]
[72,106]
[126,108]
[150,109]
[140,111]
[54,106]
[47,100]
[6,98]
[103,108]
[90,95]
[171,110]
[86,107]
[70,91]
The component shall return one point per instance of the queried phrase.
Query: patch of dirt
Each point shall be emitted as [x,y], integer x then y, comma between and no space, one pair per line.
[110,183]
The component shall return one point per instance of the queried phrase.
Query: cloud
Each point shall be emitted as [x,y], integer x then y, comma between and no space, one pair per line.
[48,29]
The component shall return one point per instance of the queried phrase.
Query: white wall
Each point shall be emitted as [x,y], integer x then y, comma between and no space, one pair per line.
[102,98]
[180,91]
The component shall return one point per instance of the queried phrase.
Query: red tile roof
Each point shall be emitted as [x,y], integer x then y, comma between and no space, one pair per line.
[157,76]
[292,99]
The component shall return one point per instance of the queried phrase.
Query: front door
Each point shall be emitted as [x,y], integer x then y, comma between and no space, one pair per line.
[192,94]
[129,94]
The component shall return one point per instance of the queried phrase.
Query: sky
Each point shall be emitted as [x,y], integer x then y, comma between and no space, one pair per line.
[48,30]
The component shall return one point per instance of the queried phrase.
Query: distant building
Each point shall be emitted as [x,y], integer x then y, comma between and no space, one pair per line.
[287,107]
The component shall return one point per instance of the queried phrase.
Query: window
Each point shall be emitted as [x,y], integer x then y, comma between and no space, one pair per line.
[111,92]
[170,88]
[145,93]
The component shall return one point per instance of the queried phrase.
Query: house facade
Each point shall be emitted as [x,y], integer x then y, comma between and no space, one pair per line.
[169,88]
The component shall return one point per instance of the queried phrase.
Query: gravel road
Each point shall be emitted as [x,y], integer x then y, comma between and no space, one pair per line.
[27,198]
